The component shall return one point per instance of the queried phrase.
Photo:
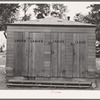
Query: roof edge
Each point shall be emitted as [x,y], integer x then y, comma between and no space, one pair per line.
[52,25]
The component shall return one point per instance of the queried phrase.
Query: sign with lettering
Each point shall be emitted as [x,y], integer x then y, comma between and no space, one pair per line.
[20,40]
[41,41]
[79,42]
[37,41]
[52,41]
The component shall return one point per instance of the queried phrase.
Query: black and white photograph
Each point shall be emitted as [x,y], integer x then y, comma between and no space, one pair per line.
[50,45]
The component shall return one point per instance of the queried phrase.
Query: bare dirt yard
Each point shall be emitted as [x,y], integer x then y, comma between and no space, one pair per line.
[3,75]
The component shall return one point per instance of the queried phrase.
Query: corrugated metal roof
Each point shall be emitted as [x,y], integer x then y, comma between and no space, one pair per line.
[51,21]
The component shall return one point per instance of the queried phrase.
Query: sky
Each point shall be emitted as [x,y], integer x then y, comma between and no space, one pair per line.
[73,8]
[79,7]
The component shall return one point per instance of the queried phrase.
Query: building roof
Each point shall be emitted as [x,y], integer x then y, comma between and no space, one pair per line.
[51,21]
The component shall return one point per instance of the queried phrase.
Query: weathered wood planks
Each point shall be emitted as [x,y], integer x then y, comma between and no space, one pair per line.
[50,52]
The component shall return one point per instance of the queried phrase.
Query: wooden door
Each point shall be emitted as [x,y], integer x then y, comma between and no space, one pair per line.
[80,55]
[36,56]
[62,54]
[21,53]
[83,56]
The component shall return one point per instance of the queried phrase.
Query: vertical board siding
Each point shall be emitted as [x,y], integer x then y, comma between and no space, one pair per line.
[59,70]
[10,52]
[18,53]
[54,56]
[48,58]
[37,58]
[25,56]
[32,55]
[76,55]
[83,55]
[91,52]
[63,56]
[69,54]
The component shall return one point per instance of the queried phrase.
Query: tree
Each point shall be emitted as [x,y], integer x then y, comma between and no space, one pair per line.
[43,10]
[92,17]
[79,17]
[95,12]
[61,9]
[95,18]
[25,8]
[7,14]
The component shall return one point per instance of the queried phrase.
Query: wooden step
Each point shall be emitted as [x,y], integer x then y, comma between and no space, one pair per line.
[49,82]
[54,86]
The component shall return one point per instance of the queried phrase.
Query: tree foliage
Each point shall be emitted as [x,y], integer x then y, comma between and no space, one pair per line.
[95,18]
[79,17]
[61,9]
[7,14]
[25,8]
[43,10]
[92,17]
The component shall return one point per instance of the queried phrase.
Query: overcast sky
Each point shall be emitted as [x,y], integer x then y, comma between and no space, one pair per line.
[79,7]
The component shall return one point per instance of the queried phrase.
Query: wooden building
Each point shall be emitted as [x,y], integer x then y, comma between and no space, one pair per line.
[50,50]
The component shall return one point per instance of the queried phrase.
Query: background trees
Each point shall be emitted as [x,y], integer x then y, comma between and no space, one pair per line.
[25,7]
[7,14]
[93,17]
[44,10]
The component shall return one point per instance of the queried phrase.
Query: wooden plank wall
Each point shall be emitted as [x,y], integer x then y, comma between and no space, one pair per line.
[83,57]
[18,53]
[91,52]
[47,54]
[53,60]
[10,54]
[54,56]
[36,55]
[76,55]
[25,54]
[68,67]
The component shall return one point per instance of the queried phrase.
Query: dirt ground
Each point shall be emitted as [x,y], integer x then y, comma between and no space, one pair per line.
[3,73]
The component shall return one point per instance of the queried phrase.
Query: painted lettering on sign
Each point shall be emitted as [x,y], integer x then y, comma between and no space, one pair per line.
[58,41]
[37,41]
[41,41]
[79,42]
[20,40]
[52,41]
